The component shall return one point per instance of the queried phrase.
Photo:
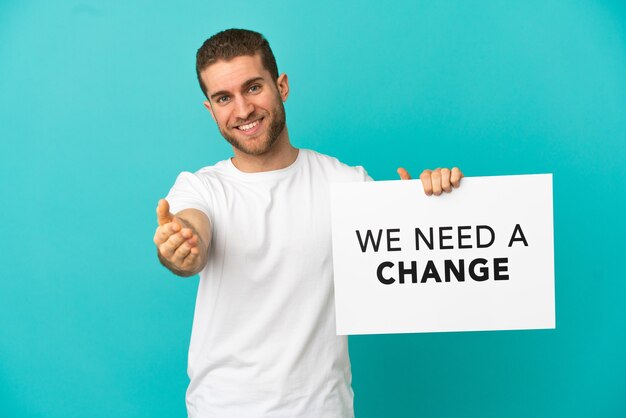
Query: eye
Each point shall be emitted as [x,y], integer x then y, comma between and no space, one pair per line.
[254,88]
[222,99]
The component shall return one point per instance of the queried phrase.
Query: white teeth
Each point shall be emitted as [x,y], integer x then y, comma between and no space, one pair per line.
[249,126]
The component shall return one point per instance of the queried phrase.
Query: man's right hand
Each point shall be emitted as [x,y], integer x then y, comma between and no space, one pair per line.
[179,246]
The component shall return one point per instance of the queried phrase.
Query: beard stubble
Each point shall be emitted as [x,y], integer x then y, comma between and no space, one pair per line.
[277,125]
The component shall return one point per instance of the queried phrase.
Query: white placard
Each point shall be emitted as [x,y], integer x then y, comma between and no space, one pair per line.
[491,266]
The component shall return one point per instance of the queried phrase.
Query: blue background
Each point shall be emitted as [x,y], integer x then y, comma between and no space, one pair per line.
[100,110]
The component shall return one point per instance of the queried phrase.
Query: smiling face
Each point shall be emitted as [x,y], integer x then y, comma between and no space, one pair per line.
[246,103]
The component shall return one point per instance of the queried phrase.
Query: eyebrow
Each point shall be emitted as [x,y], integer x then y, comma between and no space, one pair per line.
[246,83]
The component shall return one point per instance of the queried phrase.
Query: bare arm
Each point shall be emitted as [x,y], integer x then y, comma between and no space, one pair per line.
[182,240]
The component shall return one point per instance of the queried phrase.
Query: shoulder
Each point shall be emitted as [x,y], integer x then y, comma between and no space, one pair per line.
[213,171]
[201,181]
[335,169]
[206,174]
[199,189]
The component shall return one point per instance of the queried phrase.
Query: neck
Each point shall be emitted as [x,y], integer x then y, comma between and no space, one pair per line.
[281,155]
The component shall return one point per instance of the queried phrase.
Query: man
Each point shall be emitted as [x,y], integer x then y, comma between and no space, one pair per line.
[257,229]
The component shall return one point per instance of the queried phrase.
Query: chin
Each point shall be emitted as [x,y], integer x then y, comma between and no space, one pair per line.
[254,149]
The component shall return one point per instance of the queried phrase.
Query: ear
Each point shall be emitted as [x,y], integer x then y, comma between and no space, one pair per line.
[283,86]
[208,106]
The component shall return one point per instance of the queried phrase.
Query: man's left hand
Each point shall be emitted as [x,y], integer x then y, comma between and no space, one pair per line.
[436,181]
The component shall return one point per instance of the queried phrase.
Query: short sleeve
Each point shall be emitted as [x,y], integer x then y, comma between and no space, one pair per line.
[189,192]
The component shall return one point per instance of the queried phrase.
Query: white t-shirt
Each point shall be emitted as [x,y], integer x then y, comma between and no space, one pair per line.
[263,342]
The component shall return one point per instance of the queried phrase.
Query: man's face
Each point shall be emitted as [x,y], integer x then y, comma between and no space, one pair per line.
[246,103]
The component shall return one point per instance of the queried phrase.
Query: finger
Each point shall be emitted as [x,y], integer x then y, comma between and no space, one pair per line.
[169,247]
[190,258]
[426,182]
[163,212]
[435,178]
[455,177]
[165,231]
[445,180]
[193,241]
[181,252]
[187,233]
[404,175]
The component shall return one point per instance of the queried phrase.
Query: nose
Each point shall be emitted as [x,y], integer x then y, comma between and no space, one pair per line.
[243,108]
